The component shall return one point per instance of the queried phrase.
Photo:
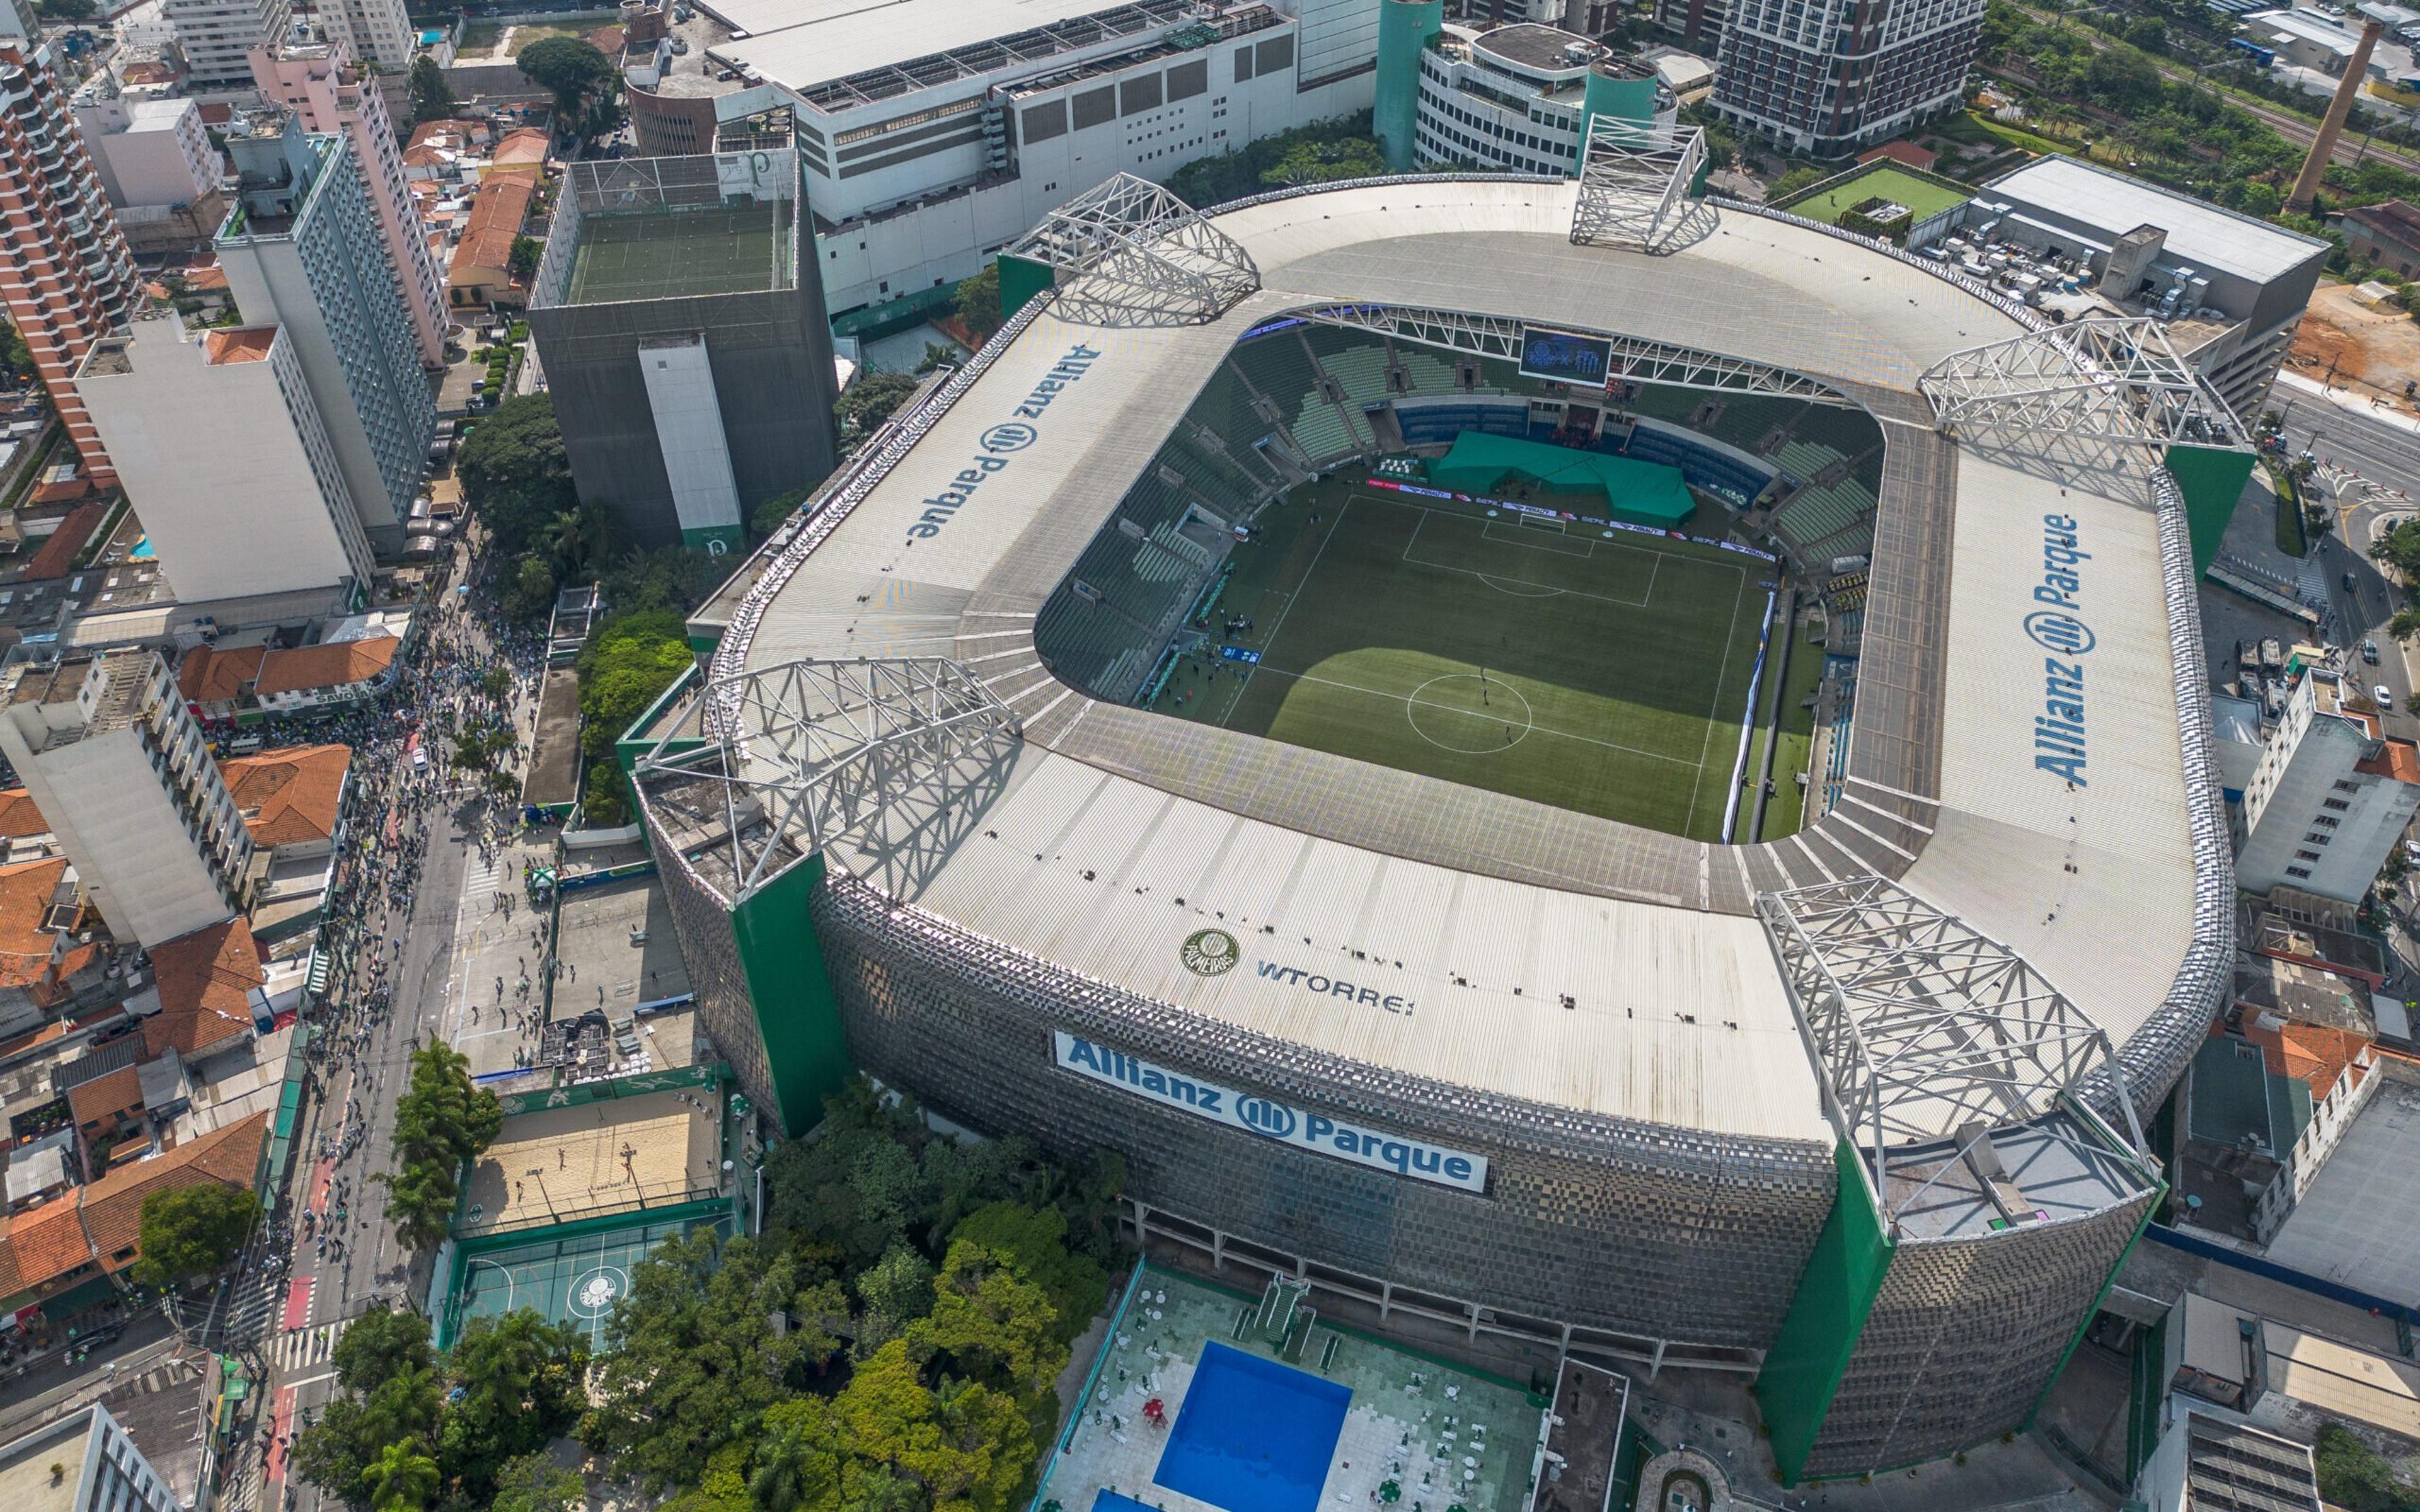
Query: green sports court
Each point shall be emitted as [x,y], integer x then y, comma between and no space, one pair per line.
[1566,661]
[659,253]
[573,1275]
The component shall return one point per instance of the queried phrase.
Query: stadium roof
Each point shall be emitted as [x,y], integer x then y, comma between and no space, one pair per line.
[801,43]
[1536,953]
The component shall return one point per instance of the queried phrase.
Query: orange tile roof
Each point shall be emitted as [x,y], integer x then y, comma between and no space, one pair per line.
[495,220]
[289,796]
[113,1206]
[524,148]
[112,1093]
[19,818]
[466,130]
[58,554]
[44,1244]
[26,892]
[329,664]
[205,980]
[1906,152]
[249,345]
[211,277]
[2397,759]
[210,675]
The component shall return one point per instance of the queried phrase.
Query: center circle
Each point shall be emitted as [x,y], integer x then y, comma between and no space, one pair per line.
[1460,713]
[595,1291]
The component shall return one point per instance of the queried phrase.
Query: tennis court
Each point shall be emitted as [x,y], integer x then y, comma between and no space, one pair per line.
[571,1279]
[661,254]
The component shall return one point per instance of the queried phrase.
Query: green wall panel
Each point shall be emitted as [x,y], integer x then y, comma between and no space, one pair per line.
[1020,280]
[1835,1294]
[796,1012]
[2213,481]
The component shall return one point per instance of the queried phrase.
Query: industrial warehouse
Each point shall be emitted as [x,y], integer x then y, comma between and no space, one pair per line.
[1848,1114]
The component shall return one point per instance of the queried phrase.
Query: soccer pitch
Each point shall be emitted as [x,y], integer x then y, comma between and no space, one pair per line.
[664,253]
[1604,674]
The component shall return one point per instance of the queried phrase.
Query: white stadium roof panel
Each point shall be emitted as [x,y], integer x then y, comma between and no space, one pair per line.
[806,42]
[1679,1016]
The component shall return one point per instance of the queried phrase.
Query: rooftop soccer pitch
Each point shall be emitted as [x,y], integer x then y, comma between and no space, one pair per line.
[1597,670]
[666,253]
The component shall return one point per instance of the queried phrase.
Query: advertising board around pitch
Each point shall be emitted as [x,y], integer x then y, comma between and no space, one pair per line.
[1269,1118]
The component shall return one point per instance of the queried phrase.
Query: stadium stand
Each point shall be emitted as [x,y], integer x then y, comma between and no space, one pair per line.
[1427,372]
[1844,431]
[1225,405]
[1706,468]
[1814,515]
[1104,625]
[1429,424]
[1218,478]
[1659,401]
[1280,366]
[1745,421]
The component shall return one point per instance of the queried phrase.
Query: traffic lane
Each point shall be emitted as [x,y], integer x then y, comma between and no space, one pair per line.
[2376,450]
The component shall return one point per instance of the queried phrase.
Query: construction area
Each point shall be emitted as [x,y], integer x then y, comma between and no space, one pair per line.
[2346,343]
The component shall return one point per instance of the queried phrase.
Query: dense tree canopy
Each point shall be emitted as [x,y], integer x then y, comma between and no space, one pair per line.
[192,1231]
[1320,152]
[513,473]
[586,85]
[441,1121]
[432,98]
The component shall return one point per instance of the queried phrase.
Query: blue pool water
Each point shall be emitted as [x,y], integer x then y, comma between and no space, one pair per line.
[143,552]
[1253,1435]
[1110,1501]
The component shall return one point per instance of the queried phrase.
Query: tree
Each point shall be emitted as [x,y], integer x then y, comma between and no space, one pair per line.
[1791,182]
[775,512]
[521,261]
[516,1383]
[432,98]
[871,400]
[1324,162]
[515,472]
[624,668]
[15,355]
[529,597]
[991,1325]
[1033,1243]
[693,1358]
[582,78]
[978,301]
[193,1230]
[441,1121]
[381,1344]
[895,1292]
[401,1479]
[2354,1476]
[534,1483]
[67,9]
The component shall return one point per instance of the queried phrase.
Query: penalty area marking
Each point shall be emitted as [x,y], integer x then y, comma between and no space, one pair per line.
[1414,702]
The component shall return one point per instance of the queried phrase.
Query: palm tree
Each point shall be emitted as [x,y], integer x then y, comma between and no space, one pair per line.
[403,1479]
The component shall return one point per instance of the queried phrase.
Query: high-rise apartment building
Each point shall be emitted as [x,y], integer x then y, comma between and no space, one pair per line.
[329,90]
[302,250]
[1823,78]
[219,442]
[118,768]
[2330,798]
[217,37]
[377,31]
[155,163]
[67,276]
[81,1461]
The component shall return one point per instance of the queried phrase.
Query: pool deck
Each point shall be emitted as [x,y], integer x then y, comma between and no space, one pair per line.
[1411,1420]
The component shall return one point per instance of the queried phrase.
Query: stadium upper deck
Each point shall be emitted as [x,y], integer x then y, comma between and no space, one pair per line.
[1479,944]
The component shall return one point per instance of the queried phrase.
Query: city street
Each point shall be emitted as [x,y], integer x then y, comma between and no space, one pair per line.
[432,851]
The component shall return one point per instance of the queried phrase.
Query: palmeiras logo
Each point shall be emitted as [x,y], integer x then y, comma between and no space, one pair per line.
[1209,952]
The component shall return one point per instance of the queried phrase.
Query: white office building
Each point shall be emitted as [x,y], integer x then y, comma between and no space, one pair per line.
[221,447]
[2330,798]
[217,37]
[81,1461]
[1515,98]
[117,768]
[937,132]
[150,151]
[378,30]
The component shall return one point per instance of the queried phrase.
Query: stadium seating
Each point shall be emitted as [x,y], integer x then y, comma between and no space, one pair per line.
[1429,373]
[1849,432]
[1280,366]
[1357,363]
[1221,482]
[1437,424]
[1703,466]
[1745,420]
[1816,514]
[1659,401]
[1225,405]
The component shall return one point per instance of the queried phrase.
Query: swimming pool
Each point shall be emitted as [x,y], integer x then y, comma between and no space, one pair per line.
[1253,1435]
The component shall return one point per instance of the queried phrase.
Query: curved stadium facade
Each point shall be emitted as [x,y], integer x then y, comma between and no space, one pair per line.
[1852,1114]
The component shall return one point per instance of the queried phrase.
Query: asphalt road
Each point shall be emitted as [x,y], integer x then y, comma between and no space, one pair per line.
[2363,454]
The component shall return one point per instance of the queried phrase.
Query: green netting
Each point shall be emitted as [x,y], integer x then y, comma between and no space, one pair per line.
[1646,493]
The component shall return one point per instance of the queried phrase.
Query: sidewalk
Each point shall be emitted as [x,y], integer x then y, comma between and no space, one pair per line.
[2384,410]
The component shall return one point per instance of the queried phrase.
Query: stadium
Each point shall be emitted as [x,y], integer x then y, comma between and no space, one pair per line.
[1281,712]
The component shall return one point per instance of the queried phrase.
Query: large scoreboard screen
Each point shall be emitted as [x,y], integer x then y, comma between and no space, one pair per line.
[1561,357]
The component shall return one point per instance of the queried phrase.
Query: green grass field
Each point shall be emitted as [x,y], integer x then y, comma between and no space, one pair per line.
[659,255]
[1923,198]
[1604,673]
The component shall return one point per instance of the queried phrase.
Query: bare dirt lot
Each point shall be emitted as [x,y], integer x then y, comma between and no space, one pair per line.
[2378,349]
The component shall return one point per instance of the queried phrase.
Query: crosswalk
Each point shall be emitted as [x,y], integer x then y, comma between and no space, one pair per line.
[298,1349]
[174,1371]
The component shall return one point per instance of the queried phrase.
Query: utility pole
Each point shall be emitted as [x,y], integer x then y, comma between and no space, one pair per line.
[2315,166]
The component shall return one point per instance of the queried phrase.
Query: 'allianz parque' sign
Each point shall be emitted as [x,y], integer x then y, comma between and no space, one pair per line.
[1269,1118]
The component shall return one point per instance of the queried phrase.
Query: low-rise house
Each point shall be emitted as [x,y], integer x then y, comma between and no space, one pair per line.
[333,673]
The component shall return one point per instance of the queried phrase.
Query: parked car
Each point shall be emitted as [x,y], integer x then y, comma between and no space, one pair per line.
[2370,652]
[2384,695]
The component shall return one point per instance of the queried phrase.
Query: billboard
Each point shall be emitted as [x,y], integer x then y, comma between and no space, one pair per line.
[1561,357]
